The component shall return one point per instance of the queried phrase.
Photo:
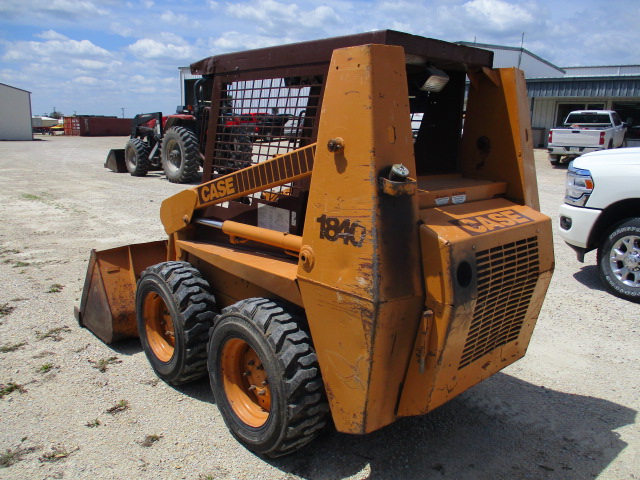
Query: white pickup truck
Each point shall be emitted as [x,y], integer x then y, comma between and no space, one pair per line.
[602,210]
[585,131]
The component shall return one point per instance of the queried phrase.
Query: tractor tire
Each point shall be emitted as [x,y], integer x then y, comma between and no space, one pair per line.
[619,260]
[136,157]
[236,148]
[265,377]
[175,310]
[180,155]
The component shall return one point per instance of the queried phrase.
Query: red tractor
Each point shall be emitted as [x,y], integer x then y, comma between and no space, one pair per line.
[176,143]
[173,143]
[168,143]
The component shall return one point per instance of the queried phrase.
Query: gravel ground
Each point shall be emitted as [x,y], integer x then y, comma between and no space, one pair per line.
[566,411]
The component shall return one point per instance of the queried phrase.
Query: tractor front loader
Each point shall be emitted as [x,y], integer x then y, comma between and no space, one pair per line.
[355,270]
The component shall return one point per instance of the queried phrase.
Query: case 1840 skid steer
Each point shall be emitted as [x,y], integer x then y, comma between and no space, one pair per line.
[351,267]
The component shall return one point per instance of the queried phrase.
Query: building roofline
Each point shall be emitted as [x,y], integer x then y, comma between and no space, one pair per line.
[605,66]
[585,78]
[515,49]
[15,88]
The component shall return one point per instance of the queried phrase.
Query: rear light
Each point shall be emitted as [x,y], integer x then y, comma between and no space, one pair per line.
[601,138]
[550,136]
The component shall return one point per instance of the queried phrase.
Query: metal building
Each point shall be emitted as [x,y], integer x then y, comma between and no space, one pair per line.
[554,91]
[15,121]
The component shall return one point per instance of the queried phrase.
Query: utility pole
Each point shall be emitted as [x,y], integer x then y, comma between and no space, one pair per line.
[122,108]
[521,45]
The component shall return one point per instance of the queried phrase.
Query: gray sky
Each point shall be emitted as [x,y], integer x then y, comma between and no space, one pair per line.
[98,56]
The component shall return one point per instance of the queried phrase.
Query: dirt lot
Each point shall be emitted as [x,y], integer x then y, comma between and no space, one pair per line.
[73,407]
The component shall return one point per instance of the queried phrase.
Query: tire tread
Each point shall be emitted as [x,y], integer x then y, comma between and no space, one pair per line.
[306,402]
[189,165]
[197,307]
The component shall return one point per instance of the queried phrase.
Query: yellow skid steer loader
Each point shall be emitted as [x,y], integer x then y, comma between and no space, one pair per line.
[379,255]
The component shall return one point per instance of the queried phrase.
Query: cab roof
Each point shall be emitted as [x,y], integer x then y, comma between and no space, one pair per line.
[444,55]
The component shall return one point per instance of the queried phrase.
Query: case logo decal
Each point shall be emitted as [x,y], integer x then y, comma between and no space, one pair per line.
[490,222]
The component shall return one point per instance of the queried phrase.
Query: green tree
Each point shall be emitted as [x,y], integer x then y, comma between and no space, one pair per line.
[56,114]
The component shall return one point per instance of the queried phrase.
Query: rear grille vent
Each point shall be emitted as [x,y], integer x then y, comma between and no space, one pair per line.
[507,276]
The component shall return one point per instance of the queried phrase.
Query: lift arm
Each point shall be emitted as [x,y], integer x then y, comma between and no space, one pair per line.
[177,211]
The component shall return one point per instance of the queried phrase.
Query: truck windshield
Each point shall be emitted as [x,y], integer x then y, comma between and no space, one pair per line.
[588,119]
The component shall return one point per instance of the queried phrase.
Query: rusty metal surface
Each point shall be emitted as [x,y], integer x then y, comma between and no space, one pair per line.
[107,307]
[87,126]
[443,54]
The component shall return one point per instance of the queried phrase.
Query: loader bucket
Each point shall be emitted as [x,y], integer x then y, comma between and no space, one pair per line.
[115,161]
[107,307]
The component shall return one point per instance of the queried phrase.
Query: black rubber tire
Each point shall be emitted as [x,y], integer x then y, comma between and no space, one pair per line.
[554,159]
[298,407]
[237,148]
[136,157]
[176,289]
[610,146]
[180,156]
[619,260]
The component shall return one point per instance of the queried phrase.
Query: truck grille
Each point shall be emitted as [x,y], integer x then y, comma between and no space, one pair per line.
[507,276]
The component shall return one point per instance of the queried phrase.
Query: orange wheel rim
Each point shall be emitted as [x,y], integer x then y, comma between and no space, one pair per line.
[159,327]
[245,382]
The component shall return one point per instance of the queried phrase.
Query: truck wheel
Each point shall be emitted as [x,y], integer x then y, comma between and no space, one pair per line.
[180,159]
[175,310]
[610,146]
[619,260]
[554,159]
[265,377]
[136,157]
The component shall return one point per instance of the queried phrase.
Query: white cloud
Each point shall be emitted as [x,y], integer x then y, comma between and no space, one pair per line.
[86,80]
[236,41]
[492,21]
[272,17]
[171,17]
[498,15]
[51,35]
[54,51]
[94,64]
[61,9]
[171,47]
